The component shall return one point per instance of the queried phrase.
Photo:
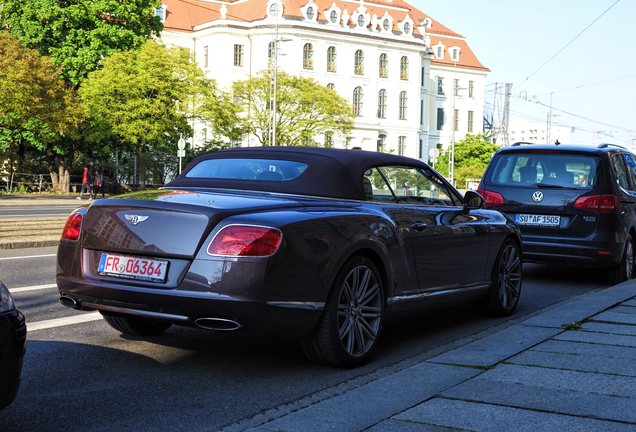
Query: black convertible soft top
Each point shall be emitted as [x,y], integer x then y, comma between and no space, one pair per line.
[335,173]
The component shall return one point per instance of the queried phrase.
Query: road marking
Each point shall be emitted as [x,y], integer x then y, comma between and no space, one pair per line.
[26,257]
[59,322]
[32,288]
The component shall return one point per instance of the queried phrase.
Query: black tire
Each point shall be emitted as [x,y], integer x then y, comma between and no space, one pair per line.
[135,326]
[625,268]
[505,285]
[349,329]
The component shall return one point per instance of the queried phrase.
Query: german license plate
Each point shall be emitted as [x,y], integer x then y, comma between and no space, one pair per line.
[145,269]
[539,220]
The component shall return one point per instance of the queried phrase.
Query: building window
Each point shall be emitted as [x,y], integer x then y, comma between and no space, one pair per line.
[358,63]
[440,52]
[421,112]
[440,85]
[331,59]
[423,78]
[471,115]
[456,87]
[440,118]
[403,105]
[360,20]
[407,28]
[401,145]
[382,104]
[380,142]
[333,17]
[456,120]
[331,86]
[161,13]
[455,54]
[384,66]
[404,68]
[205,56]
[357,101]
[238,55]
[308,56]
[471,88]
[386,24]
[310,13]
[273,9]
[271,53]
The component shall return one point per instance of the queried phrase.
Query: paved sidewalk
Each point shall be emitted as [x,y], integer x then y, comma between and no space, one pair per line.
[569,368]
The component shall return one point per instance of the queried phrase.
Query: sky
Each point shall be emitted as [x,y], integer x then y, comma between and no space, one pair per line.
[543,48]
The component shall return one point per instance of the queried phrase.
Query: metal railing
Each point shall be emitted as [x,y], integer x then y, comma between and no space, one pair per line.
[25,182]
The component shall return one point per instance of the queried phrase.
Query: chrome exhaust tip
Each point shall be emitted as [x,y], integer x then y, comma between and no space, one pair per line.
[218,324]
[69,301]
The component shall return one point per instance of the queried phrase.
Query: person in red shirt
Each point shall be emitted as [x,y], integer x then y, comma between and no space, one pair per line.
[86,183]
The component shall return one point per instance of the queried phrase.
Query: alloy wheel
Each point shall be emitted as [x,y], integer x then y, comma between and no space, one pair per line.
[509,276]
[359,311]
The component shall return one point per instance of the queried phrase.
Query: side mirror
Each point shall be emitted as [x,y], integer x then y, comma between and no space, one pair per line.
[473,201]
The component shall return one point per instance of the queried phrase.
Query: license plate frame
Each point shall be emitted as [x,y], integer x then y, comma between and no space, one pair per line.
[552,221]
[133,267]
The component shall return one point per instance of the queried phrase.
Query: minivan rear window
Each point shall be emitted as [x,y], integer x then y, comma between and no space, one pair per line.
[532,168]
[248,169]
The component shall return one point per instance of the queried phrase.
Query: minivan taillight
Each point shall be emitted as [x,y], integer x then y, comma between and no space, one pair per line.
[73,226]
[598,203]
[491,198]
[245,240]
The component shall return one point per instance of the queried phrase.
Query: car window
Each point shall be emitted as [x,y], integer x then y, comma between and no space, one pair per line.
[407,185]
[620,171]
[630,163]
[532,168]
[247,169]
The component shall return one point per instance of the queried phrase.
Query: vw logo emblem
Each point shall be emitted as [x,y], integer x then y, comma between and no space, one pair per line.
[537,196]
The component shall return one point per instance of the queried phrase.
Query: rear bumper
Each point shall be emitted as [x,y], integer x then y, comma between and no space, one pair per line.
[571,251]
[12,346]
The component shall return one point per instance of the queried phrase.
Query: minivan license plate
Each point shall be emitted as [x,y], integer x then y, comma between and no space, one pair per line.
[145,269]
[538,220]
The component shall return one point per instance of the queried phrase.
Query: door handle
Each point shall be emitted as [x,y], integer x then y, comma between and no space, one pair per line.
[419,226]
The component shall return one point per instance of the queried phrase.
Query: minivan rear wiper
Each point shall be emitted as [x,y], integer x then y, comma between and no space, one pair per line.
[552,186]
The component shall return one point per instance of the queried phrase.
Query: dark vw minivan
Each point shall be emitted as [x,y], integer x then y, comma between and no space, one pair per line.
[573,204]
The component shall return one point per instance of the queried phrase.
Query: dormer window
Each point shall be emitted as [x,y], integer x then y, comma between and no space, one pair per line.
[454,54]
[274,9]
[406,25]
[439,51]
[386,24]
[333,17]
[407,28]
[310,13]
[360,20]
[161,12]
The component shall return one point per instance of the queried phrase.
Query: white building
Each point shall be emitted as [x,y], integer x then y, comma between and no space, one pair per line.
[413,82]
[537,132]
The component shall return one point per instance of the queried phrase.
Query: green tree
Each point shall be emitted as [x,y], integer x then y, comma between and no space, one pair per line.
[36,108]
[144,99]
[78,34]
[304,108]
[472,155]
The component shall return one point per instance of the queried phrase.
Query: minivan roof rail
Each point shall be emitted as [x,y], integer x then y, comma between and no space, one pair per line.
[606,145]
[518,143]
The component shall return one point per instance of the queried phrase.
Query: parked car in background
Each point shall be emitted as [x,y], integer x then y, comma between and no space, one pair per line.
[12,345]
[313,243]
[573,204]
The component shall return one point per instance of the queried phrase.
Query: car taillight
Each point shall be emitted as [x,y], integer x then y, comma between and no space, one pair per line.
[491,198]
[598,203]
[245,240]
[73,226]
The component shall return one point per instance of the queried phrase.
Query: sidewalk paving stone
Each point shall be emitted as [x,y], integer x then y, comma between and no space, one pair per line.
[486,418]
[537,398]
[597,338]
[587,350]
[616,316]
[619,329]
[577,362]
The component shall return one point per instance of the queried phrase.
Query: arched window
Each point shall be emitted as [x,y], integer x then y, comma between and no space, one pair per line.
[358,63]
[403,105]
[357,101]
[382,104]
[383,66]
[331,59]
[404,68]
[308,56]
[271,52]
[331,86]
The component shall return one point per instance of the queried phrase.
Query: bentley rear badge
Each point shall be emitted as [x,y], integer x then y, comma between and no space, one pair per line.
[135,219]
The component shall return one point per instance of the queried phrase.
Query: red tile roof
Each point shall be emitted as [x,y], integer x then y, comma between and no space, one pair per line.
[184,15]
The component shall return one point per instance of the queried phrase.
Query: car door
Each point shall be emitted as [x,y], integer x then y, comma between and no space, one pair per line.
[448,245]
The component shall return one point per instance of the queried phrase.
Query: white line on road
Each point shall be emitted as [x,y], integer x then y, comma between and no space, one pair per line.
[32,288]
[26,257]
[59,322]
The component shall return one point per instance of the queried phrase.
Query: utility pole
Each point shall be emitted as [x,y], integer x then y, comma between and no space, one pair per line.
[506,113]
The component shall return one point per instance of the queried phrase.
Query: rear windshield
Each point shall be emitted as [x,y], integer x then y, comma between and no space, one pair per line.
[554,169]
[247,169]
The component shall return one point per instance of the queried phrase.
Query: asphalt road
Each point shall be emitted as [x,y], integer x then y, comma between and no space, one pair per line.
[84,376]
